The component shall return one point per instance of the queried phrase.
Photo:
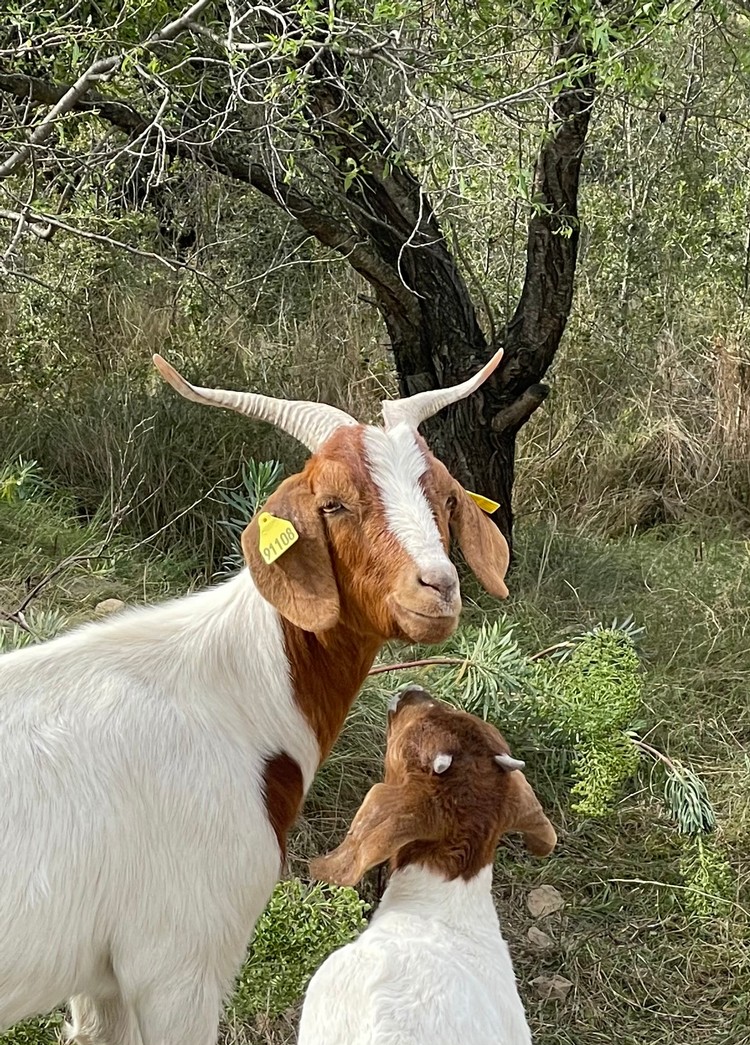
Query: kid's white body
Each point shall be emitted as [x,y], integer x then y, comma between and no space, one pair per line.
[432,968]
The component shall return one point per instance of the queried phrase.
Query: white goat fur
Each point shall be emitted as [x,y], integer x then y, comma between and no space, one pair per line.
[432,968]
[137,852]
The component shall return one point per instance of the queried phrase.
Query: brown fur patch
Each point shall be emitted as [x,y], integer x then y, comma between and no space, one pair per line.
[482,544]
[478,802]
[327,672]
[283,789]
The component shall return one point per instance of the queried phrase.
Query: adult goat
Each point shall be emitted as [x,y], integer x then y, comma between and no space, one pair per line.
[152,765]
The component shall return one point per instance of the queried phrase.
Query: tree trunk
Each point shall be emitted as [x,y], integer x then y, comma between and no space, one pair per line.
[477,437]
[434,331]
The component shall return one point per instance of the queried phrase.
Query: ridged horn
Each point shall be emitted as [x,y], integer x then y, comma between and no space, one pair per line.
[310,423]
[417,408]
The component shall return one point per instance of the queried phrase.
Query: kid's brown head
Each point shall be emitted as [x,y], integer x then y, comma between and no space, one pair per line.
[452,789]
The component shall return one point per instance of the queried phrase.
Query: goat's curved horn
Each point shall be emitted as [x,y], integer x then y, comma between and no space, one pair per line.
[419,407]
[310,423]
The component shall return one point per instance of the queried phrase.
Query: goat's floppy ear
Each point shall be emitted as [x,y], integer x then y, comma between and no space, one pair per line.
[300,583]
[525,814]
[389,818]
[483,546]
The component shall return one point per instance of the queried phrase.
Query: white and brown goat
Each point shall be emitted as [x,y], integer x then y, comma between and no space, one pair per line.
[432,968]
[152,765]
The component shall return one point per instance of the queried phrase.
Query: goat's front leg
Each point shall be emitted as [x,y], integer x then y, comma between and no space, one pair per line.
[103,1021]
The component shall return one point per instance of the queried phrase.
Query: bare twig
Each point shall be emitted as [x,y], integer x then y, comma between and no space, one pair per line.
[64,564]
[16,617]
[551,649]
[656,754]
[428,662]
[33,218]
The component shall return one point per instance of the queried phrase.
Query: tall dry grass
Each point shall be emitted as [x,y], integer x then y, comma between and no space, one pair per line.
[623,451]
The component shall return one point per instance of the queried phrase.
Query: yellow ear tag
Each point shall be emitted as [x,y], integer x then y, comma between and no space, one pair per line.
[276,536]
[484,502]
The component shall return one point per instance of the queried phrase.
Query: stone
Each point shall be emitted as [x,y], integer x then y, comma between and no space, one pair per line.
[554,988]
[541,941]
[108,606]
[544,900]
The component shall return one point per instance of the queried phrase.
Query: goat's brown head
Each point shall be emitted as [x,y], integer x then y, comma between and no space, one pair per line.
[451,790]
[374,511]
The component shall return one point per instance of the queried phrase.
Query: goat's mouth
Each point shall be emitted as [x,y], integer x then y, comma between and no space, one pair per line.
[419,626]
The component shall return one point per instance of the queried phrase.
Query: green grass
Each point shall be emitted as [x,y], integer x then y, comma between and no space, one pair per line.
[39,534]
[645,968]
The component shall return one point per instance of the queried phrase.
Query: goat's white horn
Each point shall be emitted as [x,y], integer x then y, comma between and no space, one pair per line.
[509,763]
[442,762]
[310,423]
[417,408]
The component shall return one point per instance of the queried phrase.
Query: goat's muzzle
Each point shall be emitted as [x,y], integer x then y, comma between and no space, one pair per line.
[426,607]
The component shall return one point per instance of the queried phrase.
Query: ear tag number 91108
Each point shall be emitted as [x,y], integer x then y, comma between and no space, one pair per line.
[484,502]
[276,536]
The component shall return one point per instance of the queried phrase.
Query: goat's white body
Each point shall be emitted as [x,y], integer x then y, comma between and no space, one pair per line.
[432,968]
[137,852]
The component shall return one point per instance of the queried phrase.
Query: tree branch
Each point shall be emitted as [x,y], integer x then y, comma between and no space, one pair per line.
[533,334]
[309,214]
[101,69]
[32,218]
[114,111]
[520,410]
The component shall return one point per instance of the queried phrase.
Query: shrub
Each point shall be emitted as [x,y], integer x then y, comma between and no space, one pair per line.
[45,1030]
[593,697]
[708,878]
[300,927]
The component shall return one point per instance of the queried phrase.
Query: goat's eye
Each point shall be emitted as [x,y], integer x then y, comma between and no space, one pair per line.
[331,507]
[451,503]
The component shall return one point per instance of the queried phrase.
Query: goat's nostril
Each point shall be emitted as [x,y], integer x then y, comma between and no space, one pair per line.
[442,580]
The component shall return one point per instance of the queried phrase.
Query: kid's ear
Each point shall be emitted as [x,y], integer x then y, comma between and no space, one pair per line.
[525,814]
[389,818]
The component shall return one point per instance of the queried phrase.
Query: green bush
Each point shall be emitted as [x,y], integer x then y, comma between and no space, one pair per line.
[45,1030]
[578,708]
[709,881]
[300,927]
[593,698]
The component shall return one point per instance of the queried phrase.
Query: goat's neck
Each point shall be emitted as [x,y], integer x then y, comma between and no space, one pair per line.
[463,905]
[327,671]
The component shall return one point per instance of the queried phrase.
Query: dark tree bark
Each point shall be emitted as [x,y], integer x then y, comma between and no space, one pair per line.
[435,335]
[385,227]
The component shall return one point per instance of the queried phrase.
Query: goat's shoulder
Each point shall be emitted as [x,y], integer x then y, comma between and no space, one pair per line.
[388,990]
[339,999]
[448,977]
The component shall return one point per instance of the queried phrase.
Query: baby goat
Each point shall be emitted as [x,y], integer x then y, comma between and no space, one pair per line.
[151,765]
[432,968]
